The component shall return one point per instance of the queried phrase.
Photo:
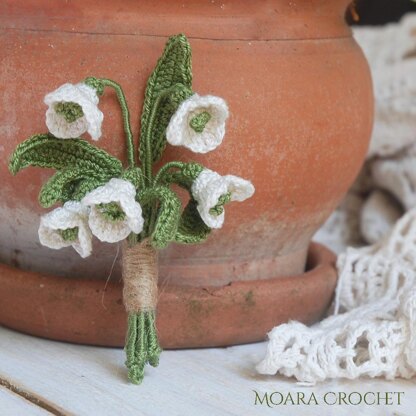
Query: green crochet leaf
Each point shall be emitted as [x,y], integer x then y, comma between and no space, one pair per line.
[45,150]
[166,107]
[168,214]
[172,70]
[191,229]
[69,184]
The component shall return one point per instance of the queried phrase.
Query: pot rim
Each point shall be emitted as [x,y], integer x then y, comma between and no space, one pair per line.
[88,312]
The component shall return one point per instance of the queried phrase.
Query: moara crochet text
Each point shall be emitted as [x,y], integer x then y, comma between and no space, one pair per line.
[133,203]
[329,398]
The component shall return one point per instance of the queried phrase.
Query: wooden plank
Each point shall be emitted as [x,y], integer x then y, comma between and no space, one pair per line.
[12,404]
[86,380]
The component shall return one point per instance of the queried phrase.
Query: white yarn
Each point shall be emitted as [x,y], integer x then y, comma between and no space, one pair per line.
[209,186]
[123,194]
[71,215]
[395,112]
[391,53]
[398,176]
[390,165]
[343,226]
[239,188]
[376,336]
[378,215]
[87,98]
[180,133]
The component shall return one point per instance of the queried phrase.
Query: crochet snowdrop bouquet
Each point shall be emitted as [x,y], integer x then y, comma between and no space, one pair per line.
[100,197]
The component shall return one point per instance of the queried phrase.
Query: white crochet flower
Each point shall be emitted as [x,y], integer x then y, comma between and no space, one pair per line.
[212,190]
[198,124]
[67,226]
[114,213]
[73,111]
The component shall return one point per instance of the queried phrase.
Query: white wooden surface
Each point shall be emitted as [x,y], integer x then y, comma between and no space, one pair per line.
[12,404]
[81,380]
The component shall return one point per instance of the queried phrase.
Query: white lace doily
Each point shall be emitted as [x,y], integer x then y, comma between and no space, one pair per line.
[375,335]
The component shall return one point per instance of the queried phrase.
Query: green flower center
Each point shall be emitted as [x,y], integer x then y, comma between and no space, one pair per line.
[199,121]
[69,234]
[112,211]
[69,111]
[219,208]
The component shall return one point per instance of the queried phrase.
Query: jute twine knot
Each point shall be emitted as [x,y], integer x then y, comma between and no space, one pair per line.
[140,276]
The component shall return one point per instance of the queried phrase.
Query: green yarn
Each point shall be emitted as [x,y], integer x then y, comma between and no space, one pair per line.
[142,344]
[69,111]
[168,86]
[135,176]
[219,208]
[46,151]
[126,117]
[172,69]
[179,173]
[112,211]
[165,105]
[191,229]
[153,347]
[80,166]
[95,83]
[99,84]
[163,225]
[78,189]
[198,122]
[136,347]
[192,170]
[69,234]
[63,184]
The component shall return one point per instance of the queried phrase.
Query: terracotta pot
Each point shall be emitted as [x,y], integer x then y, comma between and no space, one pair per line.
[299,92]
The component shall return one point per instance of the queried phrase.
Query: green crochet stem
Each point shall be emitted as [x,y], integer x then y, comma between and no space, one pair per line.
[126,117]
[147,168]
[160,176]
[142,344]
[183,175]
[152,211]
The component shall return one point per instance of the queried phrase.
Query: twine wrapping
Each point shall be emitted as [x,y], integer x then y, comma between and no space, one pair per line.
[140,298]
[140,276]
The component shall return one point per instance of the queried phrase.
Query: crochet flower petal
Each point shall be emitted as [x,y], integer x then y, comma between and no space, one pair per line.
[113,191]
[123,194]
[87,99]
[198,124]
[71,215]
[207,189]
[61,129]
[133,212]
[240,188]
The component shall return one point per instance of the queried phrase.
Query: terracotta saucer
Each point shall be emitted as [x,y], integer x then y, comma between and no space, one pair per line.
[83,311]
